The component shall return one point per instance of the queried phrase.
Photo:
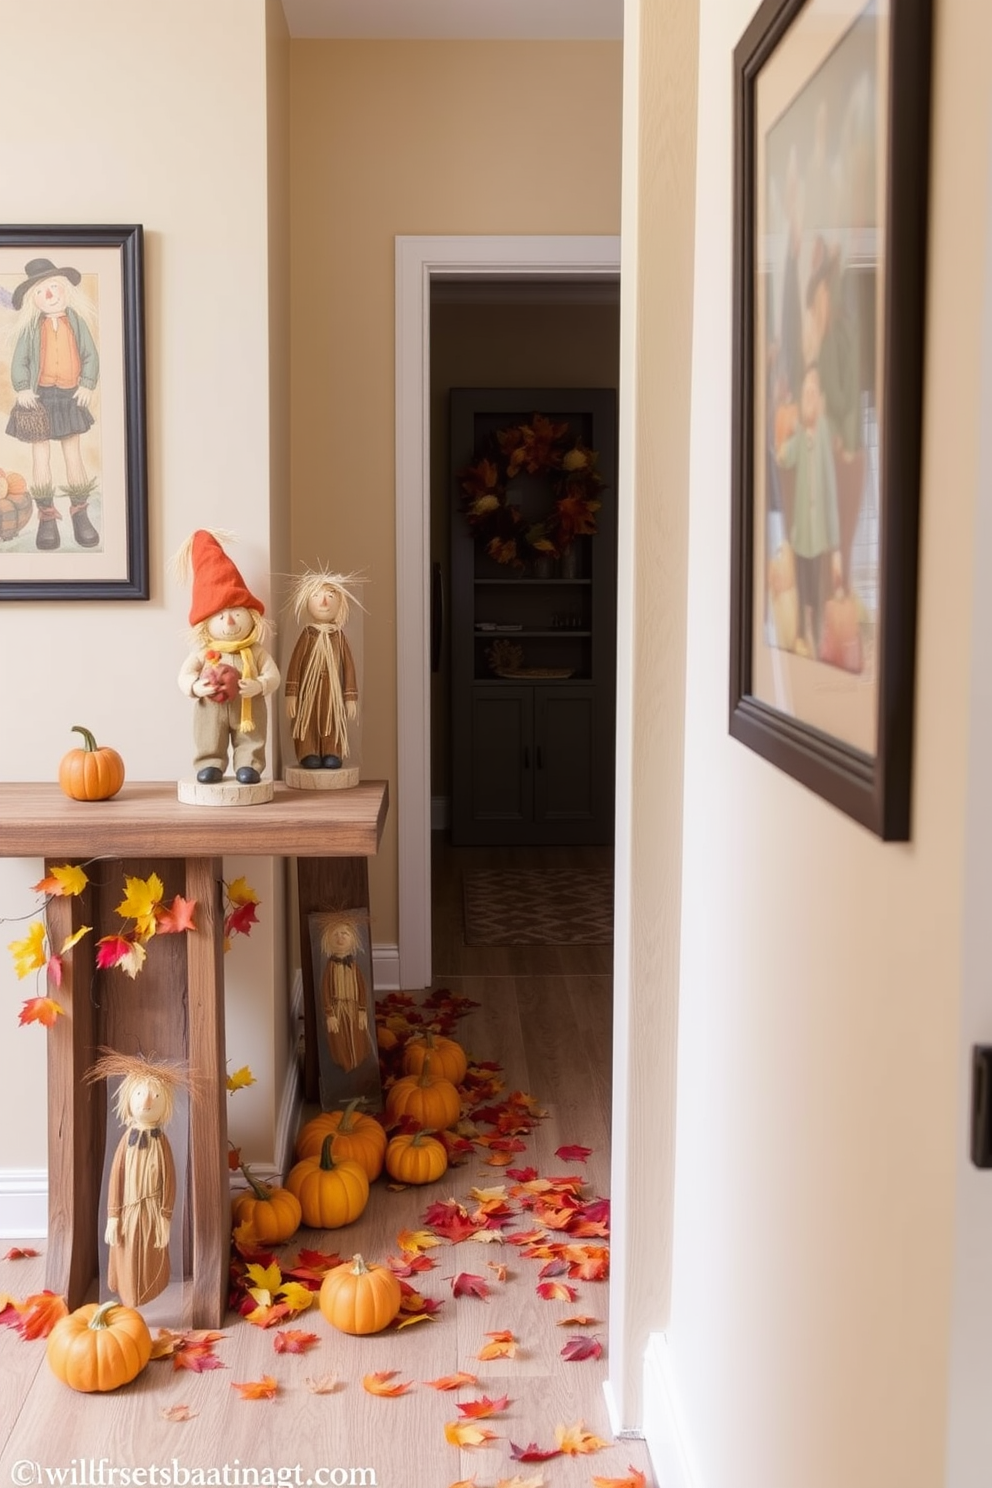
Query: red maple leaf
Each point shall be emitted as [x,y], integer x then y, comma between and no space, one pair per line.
[111,950]
[532,1453]
[581,1347]
[467,1285]
[573,1154]
[240,920]
[178,916]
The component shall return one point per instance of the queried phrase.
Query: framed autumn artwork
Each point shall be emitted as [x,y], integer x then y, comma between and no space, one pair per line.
[73,485]
[830,204]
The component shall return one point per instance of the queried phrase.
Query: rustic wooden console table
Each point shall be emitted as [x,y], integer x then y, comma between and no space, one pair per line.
[175,1007]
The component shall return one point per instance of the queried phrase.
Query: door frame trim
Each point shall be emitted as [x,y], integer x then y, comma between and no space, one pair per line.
[419,261]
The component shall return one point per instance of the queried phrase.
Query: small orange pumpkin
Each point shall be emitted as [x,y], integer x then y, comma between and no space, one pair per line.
[331,1194]
[358,1299]
[446,1055]
[429,1100]
[385,1038]
[356,1136]
[273,1213]
[91,773]
[99,1346]
[416,1157]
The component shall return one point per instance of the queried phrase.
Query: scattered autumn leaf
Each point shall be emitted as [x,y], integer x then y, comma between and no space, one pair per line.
[451,1381]
[581,1347]
[533,1480]
[265,1388]
[634,1479]
[240,1079]
[581,1320]
[503,1346]
[478,1410]
[40,1313]
[532,1452]
[576,1441]
[378,1383]
[556,1291]
[293,1341]
[323,1384]
[177,1413]
[20,1253]
[465,1284]
[415,1241]
[464,1434]
[573,1154]
[499,1269]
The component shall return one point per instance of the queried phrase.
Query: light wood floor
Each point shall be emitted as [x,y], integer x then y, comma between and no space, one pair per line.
[545,1016]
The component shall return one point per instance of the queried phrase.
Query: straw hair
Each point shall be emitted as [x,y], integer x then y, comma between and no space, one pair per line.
[332,921]
[132,1069]
[304,586]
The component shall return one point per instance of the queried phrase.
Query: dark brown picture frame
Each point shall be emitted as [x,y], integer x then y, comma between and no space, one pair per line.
[871,785]
[115,564]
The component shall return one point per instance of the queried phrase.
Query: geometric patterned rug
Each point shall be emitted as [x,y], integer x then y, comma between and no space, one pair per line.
[538,906]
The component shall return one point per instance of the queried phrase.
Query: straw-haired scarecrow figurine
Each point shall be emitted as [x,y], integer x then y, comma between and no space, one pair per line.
[228,673]
[142,1189]
[343,993]
[321,690]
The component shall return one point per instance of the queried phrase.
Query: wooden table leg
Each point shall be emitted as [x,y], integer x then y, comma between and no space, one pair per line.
[76,1111]
[323,883]
[210,1188]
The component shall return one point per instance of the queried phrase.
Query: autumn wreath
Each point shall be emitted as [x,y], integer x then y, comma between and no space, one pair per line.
[542,448]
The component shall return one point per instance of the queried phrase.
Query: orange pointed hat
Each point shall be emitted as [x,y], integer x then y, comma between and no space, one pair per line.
[217,584]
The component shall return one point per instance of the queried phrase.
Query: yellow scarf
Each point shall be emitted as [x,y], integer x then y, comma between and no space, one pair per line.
[248,671]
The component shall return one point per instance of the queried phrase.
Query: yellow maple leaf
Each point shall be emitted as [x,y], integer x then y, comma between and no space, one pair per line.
[29,953]
[141,896]
[240,1079]
[414,1242]
[263,1279]
[503,1346]
[296,1296]
[69,879]
[467,1434]
[72,939]
[240,891]
[576,1441]
[488,1195]
[416,1317]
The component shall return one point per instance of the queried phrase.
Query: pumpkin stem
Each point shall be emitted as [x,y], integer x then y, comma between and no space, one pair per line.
[425,1073]
[346,1124]
[418,1136]
[326,1160]
[359,1267]
[259,1189]
[99,1318]
[89,743]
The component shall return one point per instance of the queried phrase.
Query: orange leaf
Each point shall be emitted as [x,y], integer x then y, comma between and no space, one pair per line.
[378,1383]
[556,1291]
[40,1313]
[414,1241]
[265,1388]
[177,1413]
[178,917]
[634,1479]
[581,1320]
[464,1434]
[576,1441]
[451,1381]
[499,1269]
[503,1346]
[42,1010]
[20,1253]
[478,1410]
[293,1341]
[415,1317]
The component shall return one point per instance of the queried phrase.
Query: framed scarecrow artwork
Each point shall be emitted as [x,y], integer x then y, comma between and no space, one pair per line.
[73,483]
[348,1054]
[830,211]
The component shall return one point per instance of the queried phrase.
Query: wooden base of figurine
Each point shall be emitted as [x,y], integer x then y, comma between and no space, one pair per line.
[321,780]
[227,792]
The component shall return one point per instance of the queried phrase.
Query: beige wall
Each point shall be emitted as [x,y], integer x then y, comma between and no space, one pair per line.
[820,1071]
[504,343]
[413,138]
[174,138]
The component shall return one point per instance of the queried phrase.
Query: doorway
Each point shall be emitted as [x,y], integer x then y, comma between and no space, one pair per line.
[423,265]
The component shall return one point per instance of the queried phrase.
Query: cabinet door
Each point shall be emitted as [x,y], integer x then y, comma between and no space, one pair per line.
[566,786]
[501,762]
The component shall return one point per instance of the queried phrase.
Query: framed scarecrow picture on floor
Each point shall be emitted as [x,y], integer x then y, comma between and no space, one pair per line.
[73,484]
[830,202]
[347,1051]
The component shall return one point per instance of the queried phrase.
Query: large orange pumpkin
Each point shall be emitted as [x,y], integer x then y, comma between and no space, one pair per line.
[273,1213]
[446,1055]
[91,773]
[358,1299]
[331,1194]
[99,1346]
[427,1099]
[355,1136]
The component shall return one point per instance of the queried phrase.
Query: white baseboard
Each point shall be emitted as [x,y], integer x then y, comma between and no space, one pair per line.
[23,1203]
[664,1426]
[386,968]
[440,814]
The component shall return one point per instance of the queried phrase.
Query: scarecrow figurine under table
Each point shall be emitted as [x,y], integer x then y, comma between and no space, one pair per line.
[142,1188]
[228,673]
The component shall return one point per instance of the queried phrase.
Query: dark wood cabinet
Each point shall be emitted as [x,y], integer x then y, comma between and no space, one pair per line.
[533,642]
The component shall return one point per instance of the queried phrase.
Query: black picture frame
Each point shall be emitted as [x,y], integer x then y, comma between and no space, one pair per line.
[835,708]
[104,555]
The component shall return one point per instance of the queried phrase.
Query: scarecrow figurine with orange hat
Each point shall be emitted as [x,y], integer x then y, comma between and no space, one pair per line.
[54,371]
[228,673]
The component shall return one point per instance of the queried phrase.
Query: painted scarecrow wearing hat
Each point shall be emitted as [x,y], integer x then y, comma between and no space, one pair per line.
[228,673]
[54,371]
